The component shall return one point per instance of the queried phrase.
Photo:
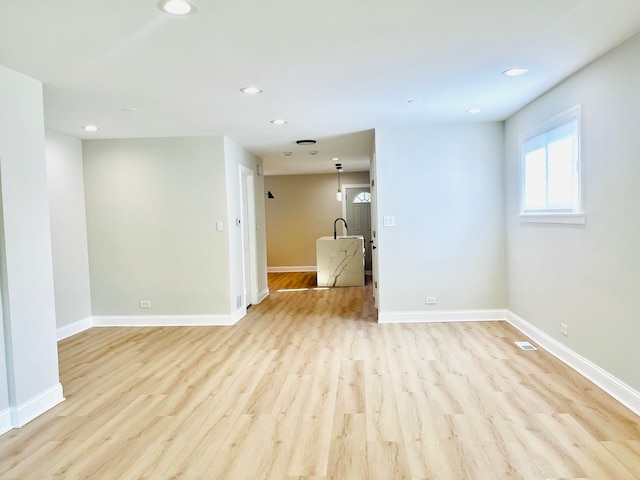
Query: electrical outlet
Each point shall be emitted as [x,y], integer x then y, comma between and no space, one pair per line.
[431,300]
[145,303]
[564,329]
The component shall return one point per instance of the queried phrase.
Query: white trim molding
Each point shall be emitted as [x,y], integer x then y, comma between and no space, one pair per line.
[36,406]
[72,329]
[286,269]
[622,392]
[5,421]
[263,294]
[169,320]
[439,316]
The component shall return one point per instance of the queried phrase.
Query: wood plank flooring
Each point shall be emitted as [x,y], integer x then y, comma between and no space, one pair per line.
[309,386]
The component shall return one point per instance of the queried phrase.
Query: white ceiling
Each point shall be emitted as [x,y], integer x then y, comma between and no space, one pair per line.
[334,70]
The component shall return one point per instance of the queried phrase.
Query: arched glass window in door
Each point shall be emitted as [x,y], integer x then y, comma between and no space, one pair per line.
[362,197]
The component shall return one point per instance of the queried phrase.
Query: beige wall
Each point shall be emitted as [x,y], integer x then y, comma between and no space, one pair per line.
[588,276]
[304,210]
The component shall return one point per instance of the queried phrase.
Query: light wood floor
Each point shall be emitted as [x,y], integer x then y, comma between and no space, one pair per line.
[309,386]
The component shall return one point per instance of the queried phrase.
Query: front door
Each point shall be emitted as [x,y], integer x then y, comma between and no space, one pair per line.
[358,216]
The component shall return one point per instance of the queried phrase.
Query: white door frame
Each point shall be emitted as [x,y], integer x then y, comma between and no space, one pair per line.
[248,227]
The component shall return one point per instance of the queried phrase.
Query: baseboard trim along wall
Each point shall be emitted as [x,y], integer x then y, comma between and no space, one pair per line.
[622,392]
[169,320]
[36,406]
[5,421]
[263,294]
[286,269]
[74,328]
[439,316]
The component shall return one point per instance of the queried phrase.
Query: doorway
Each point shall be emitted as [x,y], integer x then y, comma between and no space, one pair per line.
[357,212]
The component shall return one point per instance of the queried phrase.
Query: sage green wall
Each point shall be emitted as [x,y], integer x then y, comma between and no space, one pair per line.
[588,276]
[304,210]
[152,206]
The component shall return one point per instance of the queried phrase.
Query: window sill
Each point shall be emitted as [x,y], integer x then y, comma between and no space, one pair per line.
[560,218]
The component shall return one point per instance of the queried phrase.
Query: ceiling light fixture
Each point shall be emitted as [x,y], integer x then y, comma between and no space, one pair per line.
[313,152]
[278,121]
[515,72]
[287,154]
[306,142]
[90,128]
[473,111]
[251,90]
[177,7]
[339,192]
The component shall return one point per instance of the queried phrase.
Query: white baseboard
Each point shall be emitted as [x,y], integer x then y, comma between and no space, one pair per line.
[263,294]
[438,316]
[5,421]
[622,392]
[309,268]
[36,406]
[72,329]
[169,320]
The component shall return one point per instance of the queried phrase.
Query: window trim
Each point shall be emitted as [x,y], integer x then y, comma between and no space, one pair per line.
[559,216]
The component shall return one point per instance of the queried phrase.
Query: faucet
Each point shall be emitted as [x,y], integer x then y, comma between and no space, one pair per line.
[335,234]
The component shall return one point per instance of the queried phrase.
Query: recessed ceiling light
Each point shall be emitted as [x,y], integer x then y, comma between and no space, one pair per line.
[335,159]
[250,90]
[177,7]
[514,72]
[473,111]
[306,142]
[415,100]
[90,128]
[278,121]
[313,152]
[129,109]
[287,154]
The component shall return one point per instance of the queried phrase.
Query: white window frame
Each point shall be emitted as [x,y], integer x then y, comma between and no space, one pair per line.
[574,216]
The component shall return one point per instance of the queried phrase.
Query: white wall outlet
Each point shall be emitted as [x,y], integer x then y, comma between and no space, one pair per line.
[564,329]
[431,300]
[145,303]
[389,221]
[219,226]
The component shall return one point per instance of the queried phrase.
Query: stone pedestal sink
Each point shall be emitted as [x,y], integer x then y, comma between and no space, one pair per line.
[340,261]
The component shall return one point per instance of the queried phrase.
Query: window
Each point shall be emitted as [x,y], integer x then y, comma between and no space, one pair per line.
[551,187]
[362,197]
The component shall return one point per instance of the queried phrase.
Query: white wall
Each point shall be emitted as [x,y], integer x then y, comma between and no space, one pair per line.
[152,206]
[444,187]
[587,277]
[68,229]
[28,308]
